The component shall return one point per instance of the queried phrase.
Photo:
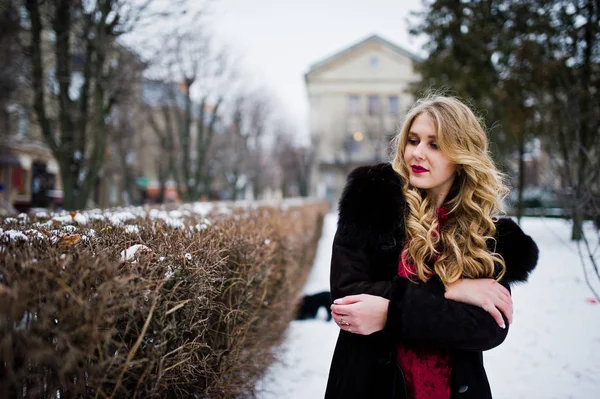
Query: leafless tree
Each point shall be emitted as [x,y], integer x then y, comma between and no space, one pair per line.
[296,163]
[186,129]
[126,119]
[568,109]
[244,160]
[83,76]
[161,117]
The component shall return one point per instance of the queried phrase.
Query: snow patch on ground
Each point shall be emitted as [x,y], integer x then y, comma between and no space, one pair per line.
[131,252]
[131,228]
[117,218]
[13,235]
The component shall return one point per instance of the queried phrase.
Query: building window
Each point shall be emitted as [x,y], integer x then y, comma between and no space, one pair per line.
[374,105]
[374,61]
[353,142]
[393,105]
[353,104]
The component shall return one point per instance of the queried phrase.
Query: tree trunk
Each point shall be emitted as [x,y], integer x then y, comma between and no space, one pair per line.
[79,169]
[234,190]
[68,182]
[163,175]
[184,138]
[204,141]
[587,116]
[521,185]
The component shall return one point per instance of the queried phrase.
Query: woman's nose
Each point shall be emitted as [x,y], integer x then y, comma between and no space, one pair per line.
[418,152]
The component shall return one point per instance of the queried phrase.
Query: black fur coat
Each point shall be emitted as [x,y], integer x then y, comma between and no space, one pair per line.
[366,251]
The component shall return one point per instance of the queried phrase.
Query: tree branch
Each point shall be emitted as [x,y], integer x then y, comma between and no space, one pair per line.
[38,75]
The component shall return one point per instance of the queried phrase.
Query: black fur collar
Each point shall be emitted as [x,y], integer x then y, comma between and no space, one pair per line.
[371,213]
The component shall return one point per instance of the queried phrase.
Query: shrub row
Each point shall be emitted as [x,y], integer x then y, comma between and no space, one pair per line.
[195,312]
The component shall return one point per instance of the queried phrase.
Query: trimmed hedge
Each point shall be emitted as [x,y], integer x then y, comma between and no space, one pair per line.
[195,312]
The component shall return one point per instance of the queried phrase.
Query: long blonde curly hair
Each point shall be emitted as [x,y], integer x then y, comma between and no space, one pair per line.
[460,249]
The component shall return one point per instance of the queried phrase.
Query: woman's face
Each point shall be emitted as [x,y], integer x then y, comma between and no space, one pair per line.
[428,168]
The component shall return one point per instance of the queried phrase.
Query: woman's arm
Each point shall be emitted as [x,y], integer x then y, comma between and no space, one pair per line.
[419,312]
[486,293]
[416,313]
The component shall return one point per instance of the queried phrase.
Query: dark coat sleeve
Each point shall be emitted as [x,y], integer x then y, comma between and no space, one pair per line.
[369,217]
[419,312]
[349,273]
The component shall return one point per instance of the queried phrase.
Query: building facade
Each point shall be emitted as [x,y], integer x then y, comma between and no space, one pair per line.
[357,98]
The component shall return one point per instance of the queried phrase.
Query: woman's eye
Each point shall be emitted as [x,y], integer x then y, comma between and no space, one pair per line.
[412,141]
[434,146]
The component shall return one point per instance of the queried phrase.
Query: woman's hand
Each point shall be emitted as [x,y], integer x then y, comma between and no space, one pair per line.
[360,314]
[486,293]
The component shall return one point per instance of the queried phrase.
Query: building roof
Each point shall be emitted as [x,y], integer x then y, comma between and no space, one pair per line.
[347,50]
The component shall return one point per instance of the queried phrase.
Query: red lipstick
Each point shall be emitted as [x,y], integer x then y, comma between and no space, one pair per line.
[418,169]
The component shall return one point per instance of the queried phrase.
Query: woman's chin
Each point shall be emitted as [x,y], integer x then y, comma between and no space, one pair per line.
[417,183]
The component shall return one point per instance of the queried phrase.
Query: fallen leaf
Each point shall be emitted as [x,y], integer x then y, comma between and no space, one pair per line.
[70,240]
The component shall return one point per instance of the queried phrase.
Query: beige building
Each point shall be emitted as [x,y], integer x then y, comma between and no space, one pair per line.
[29,174]
[357,98]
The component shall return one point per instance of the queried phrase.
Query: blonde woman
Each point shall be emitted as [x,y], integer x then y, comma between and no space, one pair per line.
[422,263]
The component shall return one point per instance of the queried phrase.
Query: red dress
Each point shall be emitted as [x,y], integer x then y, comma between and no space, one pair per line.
[427,370]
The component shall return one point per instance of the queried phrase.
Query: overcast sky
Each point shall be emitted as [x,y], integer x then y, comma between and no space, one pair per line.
[278,40]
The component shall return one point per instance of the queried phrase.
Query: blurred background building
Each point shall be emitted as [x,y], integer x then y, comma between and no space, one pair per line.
[357,98]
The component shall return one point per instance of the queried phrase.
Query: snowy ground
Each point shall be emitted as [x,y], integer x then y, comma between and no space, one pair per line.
[552,350]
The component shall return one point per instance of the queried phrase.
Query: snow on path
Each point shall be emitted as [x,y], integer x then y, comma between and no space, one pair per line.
[552,350]
[308,349]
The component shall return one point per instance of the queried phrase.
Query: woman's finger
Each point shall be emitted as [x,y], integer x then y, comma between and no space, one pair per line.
[496,315]
[348,299]
[337,312]
[503,289]
[506,309]
[342,321]
[341,310]
[506,298]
